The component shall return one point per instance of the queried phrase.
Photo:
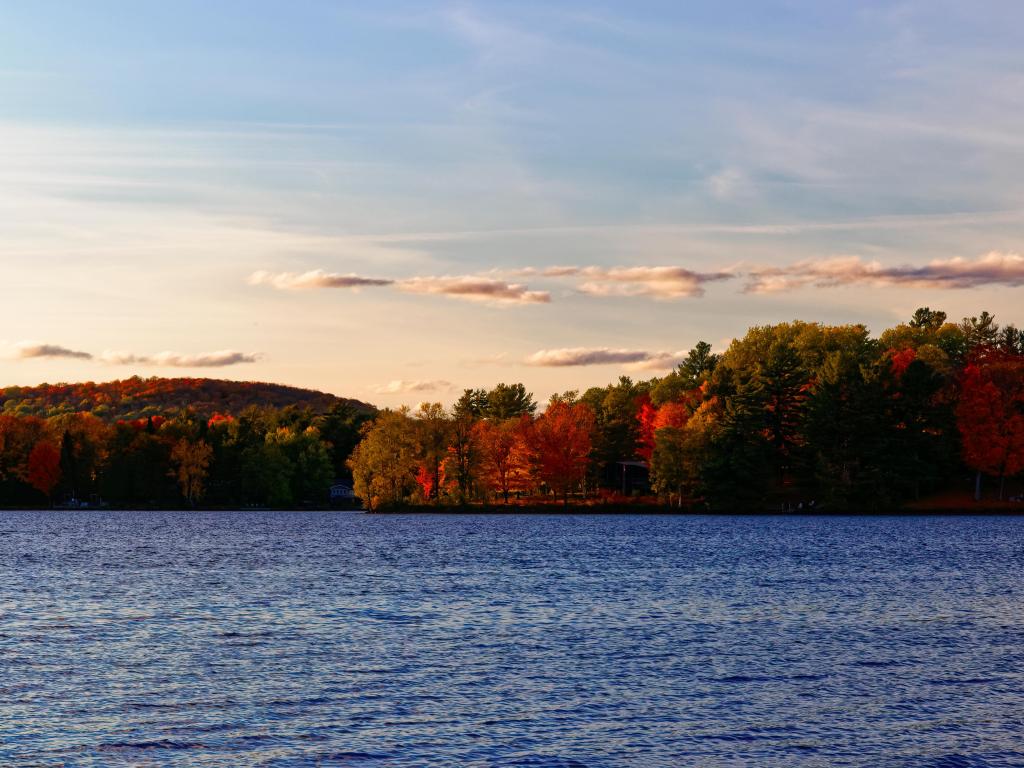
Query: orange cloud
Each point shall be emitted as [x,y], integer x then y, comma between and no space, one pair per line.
[483,289]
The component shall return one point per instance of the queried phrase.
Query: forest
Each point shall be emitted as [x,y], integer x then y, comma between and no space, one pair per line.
[264,456]
[139,398]
[790,416]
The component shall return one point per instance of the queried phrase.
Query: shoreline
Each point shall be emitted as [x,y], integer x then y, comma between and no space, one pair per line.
[552,510]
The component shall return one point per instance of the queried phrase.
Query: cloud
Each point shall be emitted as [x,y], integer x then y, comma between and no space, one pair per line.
[657,282]
[401,385]
[217,359]
[316,278]
[659,361]
[472,288]
[561,271]
[586,356]
[633,359]
[993,268]
[28,349]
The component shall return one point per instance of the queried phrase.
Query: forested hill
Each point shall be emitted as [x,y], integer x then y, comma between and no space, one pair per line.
[137,398]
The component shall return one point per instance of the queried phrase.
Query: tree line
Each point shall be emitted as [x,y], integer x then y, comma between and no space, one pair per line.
[789,413]
[264,456]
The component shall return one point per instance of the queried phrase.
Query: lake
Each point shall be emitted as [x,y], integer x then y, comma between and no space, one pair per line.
[339,639]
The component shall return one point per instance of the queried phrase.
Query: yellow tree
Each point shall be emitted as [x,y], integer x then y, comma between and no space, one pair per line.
[192,462]
[385,461]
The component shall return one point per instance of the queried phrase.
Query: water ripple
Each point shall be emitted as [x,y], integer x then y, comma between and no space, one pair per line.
[312,639]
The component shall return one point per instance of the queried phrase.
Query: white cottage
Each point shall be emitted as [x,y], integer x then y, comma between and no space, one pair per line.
[342,492]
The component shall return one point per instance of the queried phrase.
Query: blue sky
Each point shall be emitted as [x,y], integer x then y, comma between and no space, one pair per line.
[703,167]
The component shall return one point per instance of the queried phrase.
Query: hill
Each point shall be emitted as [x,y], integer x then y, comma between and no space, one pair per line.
[136,398]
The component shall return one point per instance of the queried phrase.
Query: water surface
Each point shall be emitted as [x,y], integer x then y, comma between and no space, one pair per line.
[319,639]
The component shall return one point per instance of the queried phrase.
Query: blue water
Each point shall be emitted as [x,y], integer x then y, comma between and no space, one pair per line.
[317,639]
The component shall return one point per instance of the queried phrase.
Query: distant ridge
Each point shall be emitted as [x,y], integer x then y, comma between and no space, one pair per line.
[137,398]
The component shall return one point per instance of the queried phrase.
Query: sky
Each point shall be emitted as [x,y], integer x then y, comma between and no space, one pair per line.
[394,201]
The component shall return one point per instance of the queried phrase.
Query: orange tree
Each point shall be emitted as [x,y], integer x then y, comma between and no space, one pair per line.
[504,453]
[560,440]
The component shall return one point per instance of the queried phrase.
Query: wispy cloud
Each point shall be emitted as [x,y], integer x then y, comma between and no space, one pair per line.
[219,359]
[993,268]
[401,386]
[469,287]
[572,356]
[655,282]
[472,288]
[28,349]
[316,278]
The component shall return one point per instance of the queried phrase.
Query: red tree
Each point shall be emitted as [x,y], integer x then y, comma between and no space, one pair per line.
[900,360]
[560,440]
[674,413]
[990,417]
[219,418]
[647,415]
[503,453]
[44,468]
[426,479]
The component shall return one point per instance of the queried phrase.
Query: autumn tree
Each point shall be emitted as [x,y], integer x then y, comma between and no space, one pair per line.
[674,413]
[683,442]
[18,435]
[646,416]
[84,451]
[191,461]
[940,343]
[464,455]
[433,429]
[504,454]
[385,463]
[990,417]
[44,468]
[560,441]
